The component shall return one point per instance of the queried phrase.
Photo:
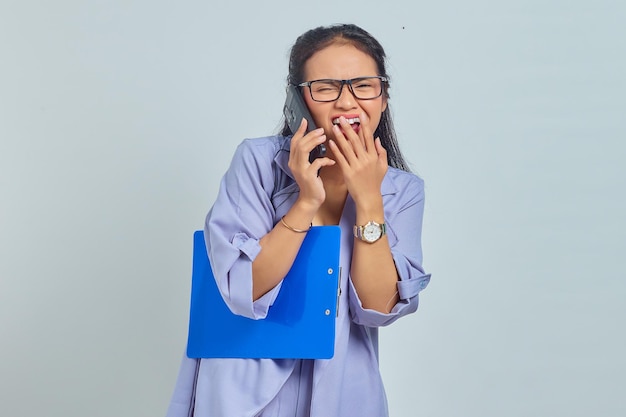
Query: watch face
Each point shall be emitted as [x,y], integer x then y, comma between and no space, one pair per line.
[371,232]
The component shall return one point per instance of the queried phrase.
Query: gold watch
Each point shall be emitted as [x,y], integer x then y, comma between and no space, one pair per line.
[370,232]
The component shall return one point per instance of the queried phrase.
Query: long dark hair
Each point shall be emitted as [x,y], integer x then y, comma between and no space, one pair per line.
[319,38]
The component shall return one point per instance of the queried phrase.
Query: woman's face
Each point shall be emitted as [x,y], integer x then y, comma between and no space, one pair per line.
[342,62]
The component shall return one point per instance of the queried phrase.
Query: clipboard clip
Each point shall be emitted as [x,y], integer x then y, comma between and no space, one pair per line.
[338,291]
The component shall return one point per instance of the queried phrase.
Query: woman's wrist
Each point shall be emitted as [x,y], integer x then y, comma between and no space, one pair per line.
[293,229]
[300,215]
[370,209]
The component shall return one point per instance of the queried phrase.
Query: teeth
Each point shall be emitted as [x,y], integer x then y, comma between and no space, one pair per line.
[351,121]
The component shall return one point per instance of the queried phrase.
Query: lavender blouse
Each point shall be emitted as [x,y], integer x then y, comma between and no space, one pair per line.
[256,191]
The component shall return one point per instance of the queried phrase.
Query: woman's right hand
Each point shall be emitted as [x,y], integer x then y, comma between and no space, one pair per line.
[306,173]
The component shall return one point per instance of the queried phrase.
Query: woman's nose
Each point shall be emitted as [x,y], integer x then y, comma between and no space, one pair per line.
[346,98]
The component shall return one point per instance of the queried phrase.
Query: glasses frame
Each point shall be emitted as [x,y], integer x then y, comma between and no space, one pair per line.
[349,82]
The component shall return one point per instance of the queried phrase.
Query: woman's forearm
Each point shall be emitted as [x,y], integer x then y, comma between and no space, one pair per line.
[373,270]
[279,248]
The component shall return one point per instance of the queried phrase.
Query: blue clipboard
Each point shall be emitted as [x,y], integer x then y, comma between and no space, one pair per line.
[299,325]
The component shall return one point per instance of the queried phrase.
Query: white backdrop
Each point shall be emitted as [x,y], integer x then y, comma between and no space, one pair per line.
[118,118]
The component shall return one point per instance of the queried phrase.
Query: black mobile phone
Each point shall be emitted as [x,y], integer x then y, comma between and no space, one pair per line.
[295,109]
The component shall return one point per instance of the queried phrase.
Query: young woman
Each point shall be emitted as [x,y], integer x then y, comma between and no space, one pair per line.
[268,199]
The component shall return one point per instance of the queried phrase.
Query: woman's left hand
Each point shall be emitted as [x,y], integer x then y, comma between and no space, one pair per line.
[361,158]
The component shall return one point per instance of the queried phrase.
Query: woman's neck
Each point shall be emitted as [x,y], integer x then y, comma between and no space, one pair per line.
[330,211]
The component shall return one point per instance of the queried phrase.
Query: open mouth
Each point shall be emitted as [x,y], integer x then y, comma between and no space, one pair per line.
[352,121]
[355,123]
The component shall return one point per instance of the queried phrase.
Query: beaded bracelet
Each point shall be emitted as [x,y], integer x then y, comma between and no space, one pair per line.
[293,229]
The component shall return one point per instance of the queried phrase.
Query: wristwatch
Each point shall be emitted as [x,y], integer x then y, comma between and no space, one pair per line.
[370,232]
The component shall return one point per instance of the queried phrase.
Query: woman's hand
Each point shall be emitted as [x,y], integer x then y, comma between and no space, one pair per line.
[306,173]
[363,162]
[362,159]
[280,246]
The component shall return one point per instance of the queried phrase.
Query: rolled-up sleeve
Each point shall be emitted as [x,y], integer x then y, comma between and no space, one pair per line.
[241,215]
[404,212]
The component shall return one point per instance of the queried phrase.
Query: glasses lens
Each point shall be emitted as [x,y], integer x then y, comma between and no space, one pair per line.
[325,90]
[367,88]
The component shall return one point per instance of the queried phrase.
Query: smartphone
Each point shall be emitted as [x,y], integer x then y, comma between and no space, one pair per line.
[295,109]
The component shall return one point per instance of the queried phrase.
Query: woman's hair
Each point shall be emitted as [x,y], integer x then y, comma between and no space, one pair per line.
[319,38]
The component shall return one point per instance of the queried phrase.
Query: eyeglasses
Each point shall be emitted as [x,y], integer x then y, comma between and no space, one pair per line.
[362,88]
